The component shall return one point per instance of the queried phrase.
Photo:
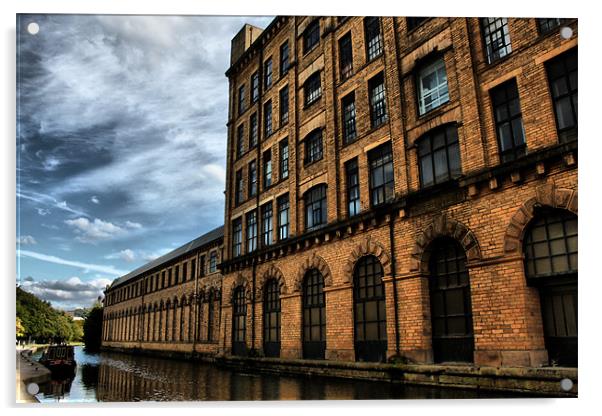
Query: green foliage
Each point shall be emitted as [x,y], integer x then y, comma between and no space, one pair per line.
[93,328]
[41,322]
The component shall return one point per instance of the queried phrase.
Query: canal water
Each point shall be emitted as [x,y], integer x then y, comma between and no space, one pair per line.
[117,377]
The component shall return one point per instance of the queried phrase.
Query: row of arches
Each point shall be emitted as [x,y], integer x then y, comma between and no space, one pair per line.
[184,319]
[550,266]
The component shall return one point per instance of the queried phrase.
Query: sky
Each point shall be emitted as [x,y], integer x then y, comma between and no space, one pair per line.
[121,144]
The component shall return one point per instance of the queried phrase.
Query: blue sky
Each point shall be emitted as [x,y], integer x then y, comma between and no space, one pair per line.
[121,144]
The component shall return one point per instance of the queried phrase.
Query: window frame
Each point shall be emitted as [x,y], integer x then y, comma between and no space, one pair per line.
[488,34]
[450,141]
[241,99]
[237,237]
[314,147]
[432,67]
[284,59]
[283,205]
[316,204]
[283,104]
[267,169]
[253,182]
[349,116]
[377,100]
[253,131]
[284,161]
[240,137]
[373,38]
[268,75]
[252,235]
[345,56]
[380,159]
[565,134]
[311,33]
[268,126]
[352,187]
[255,87]
[267,224]
[312,89]
[517,150]
[238,188]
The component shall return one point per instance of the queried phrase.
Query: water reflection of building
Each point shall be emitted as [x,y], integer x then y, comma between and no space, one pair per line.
[395,187]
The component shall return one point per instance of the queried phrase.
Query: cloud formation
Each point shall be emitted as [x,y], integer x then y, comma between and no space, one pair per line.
[91,231]
[68,293]
[84,266]
[26,239]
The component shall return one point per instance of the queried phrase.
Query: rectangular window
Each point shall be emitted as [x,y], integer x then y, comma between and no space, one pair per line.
[241,99]
[213,262]
[312,89]
[353,187]
[202,266]
[284,159]
[283,220]
[255,87]
[432,86]
[284,59]
[496,37]
[380,161]
[184,271]
[251,231]
[240,137]
[267,226]
[345,56]
[193,269]
[267,169]
[315,207]
[508,121]
[414,22]
[313,147]
[311,36]
[547,25]
[236,237]
[238,195]
[283,102]
[349,131]
[267,120]
[439,156]
[378,106]
[562,77]
[177,275]
[267,74]
[169,277]
[163,282]
[374,42]
[252,178]
[253,135]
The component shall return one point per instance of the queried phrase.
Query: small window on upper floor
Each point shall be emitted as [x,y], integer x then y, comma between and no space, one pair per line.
[432,86]
[255,87]
[439,156]
[508,121]
[496,37]
[312,89]
[348,110]
[415,21]
[382,181]
[213,262]
[562,77]
[267,74]
[311,36]
[316,208]
[240,137]
[378,102]
[284,59]
[345,56]
[236,237]
[313,147]
[374,39]
[241,99]
[546,25]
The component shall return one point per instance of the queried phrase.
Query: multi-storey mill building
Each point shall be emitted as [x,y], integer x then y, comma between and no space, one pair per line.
[396,187]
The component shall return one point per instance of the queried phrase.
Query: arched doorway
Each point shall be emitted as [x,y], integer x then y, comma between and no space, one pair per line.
[451,308]
[369,310]
[239,322]
[314,316]
[271,319]
[550,248]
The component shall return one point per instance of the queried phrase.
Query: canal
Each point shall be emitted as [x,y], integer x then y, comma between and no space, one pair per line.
[116,377]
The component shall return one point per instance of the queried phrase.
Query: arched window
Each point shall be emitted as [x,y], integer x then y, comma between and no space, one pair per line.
[182,306]
[369,310]
[165,335]
[316,213]
[174,320]
[271,319]
[239,321]
[550,248]
[451,308]
[314,315]
[210,315]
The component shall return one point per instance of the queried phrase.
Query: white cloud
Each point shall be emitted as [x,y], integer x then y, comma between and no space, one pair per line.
[90,231]
[43,211]
[84,266]
[126,255]
[94,199]
[133,225]
[51,163]
[26,239]
[66,293]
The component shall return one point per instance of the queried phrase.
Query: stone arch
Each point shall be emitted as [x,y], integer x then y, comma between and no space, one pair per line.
[240,280]
[545,195]
[366,247]
[272,272]
[443,226]
[314,261]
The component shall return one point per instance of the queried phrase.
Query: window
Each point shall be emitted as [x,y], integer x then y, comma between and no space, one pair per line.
[239,321]
[267,74]
[169,278]
[271,319]
[414,22]
[213,262]
[374,42]
[267,120]
[236,237]
[547,25]
[284,59]
[311,36]
[432,86]
[177,275]
[314,315]
[439,156]
[313,146]
[238,195]
[315,207]
[283,221]
[378,106]
[252,178]
[345,56]
[240,136]
[496,37]
[349,130]
[254,131]
[283,102]
[267,226]
[562,76]
[380,161]
[202,265]
[312,89]
[193,269]
[251,231]
[267,169]
[241,99]
[284,159]
[254,87]
[163,283]
[508,121]
[353,187]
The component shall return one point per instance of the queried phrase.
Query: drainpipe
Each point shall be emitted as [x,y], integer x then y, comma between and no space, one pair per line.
[393,278]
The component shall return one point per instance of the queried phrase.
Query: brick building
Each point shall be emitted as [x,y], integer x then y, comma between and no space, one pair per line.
[399,188]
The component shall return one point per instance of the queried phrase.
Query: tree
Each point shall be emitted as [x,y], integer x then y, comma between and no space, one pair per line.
[20,328]
[93,328]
